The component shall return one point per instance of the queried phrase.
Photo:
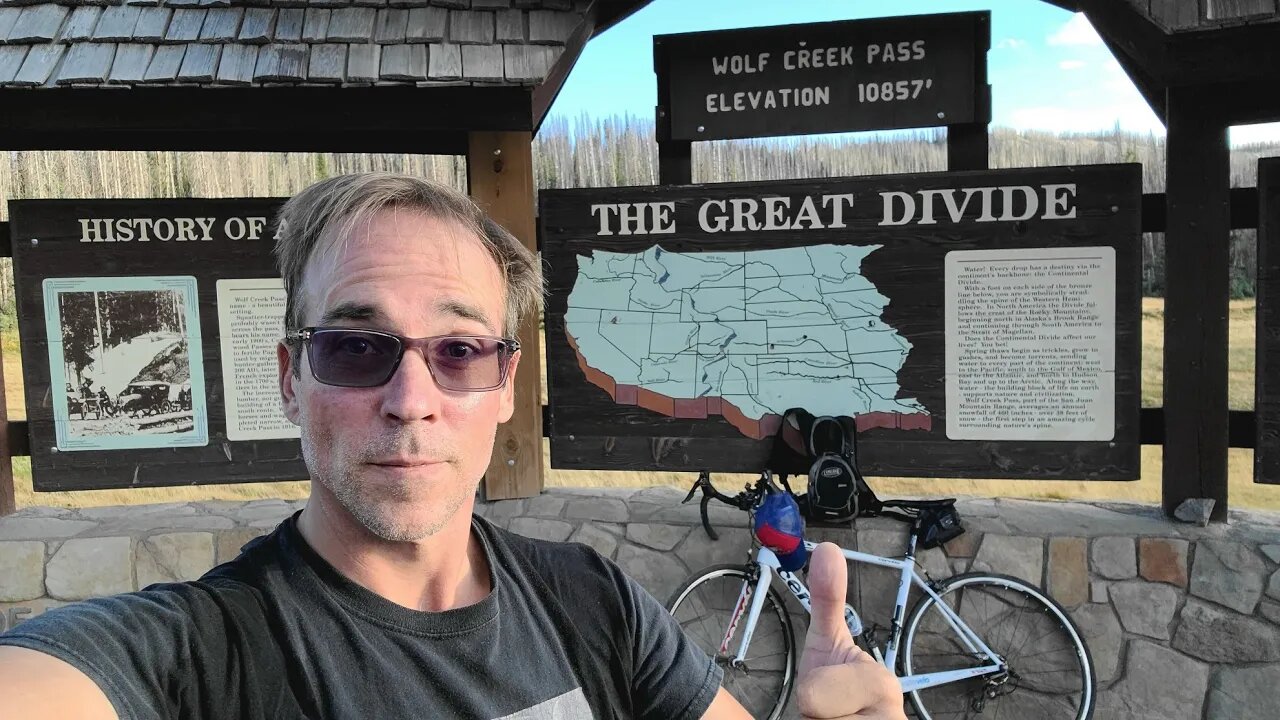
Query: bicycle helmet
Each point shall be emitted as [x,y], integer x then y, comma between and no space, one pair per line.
[779,527]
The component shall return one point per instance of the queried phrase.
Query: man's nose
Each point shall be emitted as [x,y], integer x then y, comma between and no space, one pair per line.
[412,393]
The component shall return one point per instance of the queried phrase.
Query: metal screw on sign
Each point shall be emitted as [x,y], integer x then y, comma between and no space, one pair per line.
[1115,208]
[497,160]
[701,128]
[35,241]
[53,449]
[511,462]
[571,437]
[941,115]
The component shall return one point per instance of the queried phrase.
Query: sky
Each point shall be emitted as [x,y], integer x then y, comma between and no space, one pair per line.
[1048,68]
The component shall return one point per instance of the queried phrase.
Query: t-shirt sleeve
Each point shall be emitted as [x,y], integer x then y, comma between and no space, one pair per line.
[673,678]
[137,647]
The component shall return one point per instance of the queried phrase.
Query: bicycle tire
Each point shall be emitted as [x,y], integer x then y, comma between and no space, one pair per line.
[703,606]
[1031,689]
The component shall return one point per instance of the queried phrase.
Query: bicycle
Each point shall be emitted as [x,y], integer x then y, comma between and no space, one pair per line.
[963,650]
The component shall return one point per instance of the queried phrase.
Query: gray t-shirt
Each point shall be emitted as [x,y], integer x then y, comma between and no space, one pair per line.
[278,633]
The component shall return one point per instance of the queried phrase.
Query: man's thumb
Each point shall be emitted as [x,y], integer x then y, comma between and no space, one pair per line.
[828,580]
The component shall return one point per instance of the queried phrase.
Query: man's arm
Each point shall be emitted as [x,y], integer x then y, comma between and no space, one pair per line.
[725,707]
[35,685]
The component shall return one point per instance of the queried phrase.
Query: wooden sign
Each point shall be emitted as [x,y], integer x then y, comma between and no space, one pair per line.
[900,72]
[1266,463]
[977,324]
[148,331]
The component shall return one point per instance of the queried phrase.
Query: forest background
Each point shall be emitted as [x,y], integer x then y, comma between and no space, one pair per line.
[592,152]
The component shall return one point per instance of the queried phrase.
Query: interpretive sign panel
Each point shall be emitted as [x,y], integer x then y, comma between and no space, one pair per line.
[1031,343]
[251,316]
[900,72]
[1267,401]
[148,331]
[977,324]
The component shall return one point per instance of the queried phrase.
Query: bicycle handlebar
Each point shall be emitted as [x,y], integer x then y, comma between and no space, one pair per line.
[751,495]
[745,500]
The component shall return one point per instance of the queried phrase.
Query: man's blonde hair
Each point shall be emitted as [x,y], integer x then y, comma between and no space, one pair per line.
[324,214]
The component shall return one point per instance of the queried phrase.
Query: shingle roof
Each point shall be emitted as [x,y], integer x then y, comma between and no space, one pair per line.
[251,42]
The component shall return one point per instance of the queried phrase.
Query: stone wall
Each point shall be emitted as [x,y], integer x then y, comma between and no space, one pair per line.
[1182,621]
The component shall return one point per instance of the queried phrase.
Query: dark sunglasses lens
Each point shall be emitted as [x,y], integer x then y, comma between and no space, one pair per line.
[352,358]
[468,363]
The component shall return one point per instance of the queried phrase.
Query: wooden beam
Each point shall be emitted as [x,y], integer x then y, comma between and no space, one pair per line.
[1243,202]
[1137,43]
[500,177]
[433,120]
[545,94]
[19,440]
[1196,303]
[1222,55]
[1241,428]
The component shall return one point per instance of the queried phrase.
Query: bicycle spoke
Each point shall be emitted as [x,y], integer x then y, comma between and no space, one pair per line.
[705,610]
[1047,677]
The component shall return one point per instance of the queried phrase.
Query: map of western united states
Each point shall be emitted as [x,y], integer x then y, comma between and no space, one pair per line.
[745,335]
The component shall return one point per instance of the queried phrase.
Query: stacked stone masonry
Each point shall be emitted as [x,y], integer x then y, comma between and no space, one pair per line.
[1182,621]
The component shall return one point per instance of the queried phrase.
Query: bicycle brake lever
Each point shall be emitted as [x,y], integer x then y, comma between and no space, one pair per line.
[692,491]
[706,521]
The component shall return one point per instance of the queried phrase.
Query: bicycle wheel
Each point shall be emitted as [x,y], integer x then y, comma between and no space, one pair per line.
[705,607]
[1049,673]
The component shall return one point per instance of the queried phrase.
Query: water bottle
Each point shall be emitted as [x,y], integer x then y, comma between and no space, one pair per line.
[852,620]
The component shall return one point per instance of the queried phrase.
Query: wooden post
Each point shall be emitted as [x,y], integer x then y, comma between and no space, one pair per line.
[968,147]
[969,144]
[1266,404]
[675,162]
[1196,303]
[8,497]
[500,178]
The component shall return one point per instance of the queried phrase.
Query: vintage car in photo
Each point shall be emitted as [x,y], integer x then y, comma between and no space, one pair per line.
[148,397]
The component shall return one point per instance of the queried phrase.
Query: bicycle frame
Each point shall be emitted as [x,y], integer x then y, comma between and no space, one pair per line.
[768,565]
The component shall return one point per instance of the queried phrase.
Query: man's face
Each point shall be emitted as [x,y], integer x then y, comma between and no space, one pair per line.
[403,457]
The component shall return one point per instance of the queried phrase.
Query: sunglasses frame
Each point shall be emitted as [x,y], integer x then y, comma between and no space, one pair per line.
[509,348]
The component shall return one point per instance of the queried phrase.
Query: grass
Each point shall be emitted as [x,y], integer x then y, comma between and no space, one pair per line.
[1243,492]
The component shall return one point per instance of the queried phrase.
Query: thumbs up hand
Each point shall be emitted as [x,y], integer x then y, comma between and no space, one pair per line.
[837,680]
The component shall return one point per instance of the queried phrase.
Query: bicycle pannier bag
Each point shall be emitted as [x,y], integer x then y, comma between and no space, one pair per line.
[939,525]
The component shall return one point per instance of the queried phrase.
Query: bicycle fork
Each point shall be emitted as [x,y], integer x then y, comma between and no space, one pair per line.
[751,601]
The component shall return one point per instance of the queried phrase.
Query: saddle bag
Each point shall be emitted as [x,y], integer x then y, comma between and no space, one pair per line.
[937,526]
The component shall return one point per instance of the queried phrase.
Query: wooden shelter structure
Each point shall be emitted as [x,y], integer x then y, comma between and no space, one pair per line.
[1202,66]
[463,77]
[476,77]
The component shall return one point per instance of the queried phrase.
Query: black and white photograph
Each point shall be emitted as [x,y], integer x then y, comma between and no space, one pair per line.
[122,351]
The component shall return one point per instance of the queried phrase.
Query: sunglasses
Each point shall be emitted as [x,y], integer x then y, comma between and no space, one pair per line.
[349,357]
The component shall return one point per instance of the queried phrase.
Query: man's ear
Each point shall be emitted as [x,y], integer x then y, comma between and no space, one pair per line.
[507,404]
[288,393]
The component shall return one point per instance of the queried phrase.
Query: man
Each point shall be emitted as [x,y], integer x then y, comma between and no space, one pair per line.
[385,597]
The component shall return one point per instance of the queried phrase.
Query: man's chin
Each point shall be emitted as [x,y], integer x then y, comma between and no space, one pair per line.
[397,521]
